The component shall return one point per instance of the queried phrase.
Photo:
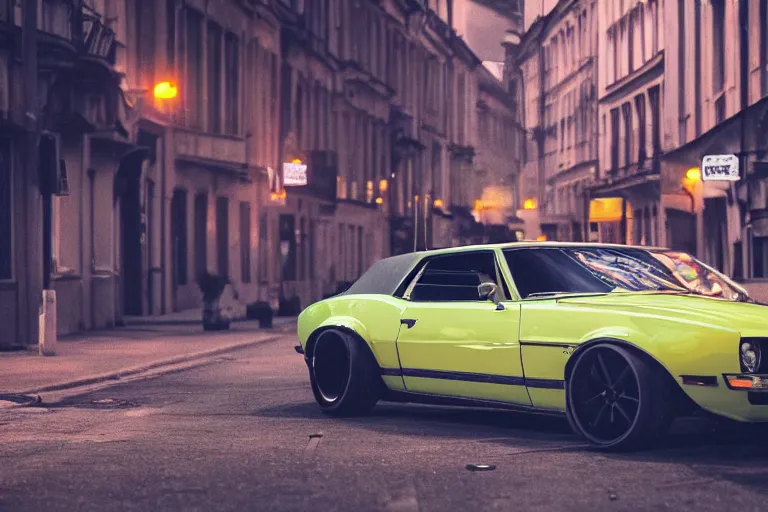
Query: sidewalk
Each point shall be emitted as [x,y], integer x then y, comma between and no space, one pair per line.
[144,343]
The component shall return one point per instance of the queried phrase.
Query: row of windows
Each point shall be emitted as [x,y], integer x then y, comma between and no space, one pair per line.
[248,238]
[632,40]
[631,129]
[566,50]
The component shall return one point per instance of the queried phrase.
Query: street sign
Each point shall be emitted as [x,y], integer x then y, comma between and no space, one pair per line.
[294,174]
[720,168]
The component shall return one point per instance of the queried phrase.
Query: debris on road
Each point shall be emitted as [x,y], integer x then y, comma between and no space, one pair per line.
[481,467]
[314,440]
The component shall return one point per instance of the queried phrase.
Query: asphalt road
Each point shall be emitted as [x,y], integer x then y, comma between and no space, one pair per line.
[235,435]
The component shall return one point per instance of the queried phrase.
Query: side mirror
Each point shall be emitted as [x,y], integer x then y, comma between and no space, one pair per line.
[487,291]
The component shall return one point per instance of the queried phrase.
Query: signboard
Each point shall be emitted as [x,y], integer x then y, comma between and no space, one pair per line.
[294,174]
[720,168]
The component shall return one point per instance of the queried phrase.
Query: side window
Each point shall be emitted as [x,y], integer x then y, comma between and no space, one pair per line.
[455,277]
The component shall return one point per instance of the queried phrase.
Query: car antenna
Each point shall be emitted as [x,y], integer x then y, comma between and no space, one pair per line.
[427,199]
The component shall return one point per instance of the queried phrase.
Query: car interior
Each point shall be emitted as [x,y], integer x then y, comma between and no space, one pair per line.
[456,277]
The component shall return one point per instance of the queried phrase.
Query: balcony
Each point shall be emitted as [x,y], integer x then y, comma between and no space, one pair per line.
[70,38]
[217,152]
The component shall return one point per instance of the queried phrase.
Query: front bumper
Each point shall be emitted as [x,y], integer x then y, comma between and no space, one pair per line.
[729,395]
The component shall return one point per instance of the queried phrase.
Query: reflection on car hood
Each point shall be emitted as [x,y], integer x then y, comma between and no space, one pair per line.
[747,318]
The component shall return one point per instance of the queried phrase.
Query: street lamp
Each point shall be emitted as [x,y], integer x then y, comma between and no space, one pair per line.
[693,175]
[166,90]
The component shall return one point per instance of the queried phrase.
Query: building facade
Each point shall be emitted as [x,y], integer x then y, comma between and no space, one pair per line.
[284,144]
[65,137]
[675,82]
[147,190]
[715,104]
[558,65]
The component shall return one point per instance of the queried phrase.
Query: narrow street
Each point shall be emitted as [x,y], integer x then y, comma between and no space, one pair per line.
[235,434]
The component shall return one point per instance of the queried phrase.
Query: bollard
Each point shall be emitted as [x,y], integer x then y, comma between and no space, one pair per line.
[47,334]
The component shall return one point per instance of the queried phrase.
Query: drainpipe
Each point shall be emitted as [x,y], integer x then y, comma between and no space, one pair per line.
[744,103]
[92,215]
[167,167]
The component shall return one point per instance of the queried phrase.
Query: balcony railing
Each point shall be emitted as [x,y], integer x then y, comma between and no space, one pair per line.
[95,38]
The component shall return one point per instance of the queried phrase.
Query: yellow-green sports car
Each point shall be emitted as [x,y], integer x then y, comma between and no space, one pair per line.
[620,339]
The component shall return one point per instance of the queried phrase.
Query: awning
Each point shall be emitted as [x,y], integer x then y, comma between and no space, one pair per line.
[607,209]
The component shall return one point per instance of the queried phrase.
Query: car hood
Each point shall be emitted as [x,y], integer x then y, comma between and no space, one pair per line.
[747,318]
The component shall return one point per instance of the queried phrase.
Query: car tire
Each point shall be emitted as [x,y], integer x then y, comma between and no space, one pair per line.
[617,400]
[344,374]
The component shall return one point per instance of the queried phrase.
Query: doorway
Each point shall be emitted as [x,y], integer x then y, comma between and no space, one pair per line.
[150,247]
[681,231]
[131,230]
[222,235]
[179,241]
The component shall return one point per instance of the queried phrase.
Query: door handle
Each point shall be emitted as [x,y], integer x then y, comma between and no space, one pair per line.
[408,322]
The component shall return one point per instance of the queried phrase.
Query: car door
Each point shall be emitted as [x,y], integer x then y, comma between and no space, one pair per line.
[451,342]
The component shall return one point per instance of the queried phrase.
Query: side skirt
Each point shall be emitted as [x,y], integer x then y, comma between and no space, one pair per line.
[430,399]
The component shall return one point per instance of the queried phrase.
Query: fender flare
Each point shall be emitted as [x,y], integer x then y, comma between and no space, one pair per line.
[346,325]
[612,341]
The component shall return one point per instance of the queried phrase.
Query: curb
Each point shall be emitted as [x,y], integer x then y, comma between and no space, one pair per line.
[133,371]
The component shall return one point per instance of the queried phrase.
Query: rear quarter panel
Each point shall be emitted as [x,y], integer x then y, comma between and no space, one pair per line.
[375,318]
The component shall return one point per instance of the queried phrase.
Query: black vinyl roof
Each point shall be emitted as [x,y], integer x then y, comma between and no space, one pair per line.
[384,276]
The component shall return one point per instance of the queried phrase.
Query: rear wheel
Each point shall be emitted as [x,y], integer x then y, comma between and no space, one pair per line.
[615,399]
[343,374]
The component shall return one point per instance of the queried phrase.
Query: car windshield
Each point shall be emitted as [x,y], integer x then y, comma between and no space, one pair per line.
[554,271]
[699,277]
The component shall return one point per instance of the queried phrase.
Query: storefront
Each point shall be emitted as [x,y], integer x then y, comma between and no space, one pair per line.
[608,220]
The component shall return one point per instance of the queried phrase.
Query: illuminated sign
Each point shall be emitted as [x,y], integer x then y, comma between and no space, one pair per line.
[720,168]
[294,174]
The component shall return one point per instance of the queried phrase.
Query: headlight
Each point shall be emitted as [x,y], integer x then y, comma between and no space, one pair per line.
[750,356]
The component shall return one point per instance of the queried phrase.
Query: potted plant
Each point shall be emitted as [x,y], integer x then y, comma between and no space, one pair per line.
[212,286]
[262,312]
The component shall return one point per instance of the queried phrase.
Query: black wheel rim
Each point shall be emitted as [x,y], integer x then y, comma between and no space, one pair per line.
[330,364]
[605,395]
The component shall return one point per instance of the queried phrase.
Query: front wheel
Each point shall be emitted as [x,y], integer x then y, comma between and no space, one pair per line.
[343,374]
[615,399]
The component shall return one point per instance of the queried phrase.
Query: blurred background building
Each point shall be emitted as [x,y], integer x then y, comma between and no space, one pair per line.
[285,144]
[288,144]
[663,84]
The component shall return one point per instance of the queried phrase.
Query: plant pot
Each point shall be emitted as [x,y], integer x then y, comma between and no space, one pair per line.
[265,322]
[262,312]
[212,317]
